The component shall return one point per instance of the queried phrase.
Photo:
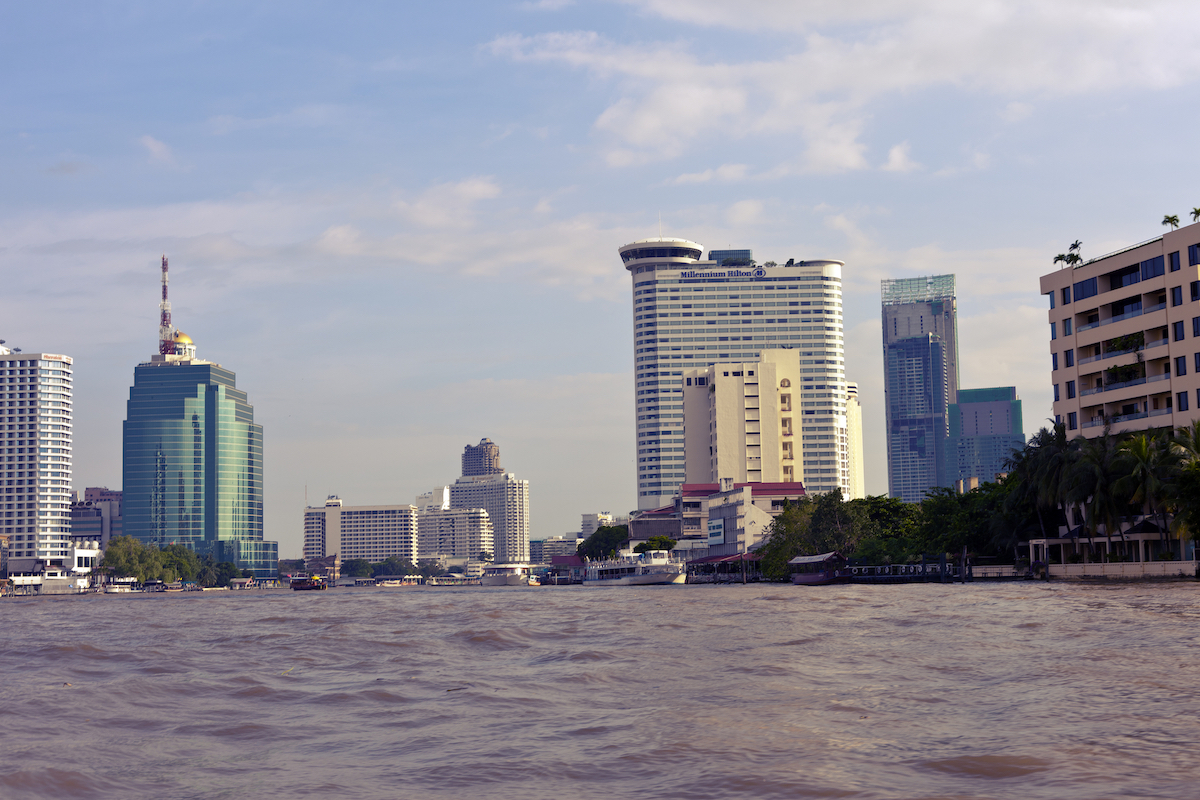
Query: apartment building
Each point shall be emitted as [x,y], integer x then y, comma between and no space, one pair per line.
[1124,332]
[371,532]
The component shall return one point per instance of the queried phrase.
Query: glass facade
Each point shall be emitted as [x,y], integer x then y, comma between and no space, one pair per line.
[689,314]
[986,425]
[192,464]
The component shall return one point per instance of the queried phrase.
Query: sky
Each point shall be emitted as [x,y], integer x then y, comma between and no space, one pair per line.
[398,222]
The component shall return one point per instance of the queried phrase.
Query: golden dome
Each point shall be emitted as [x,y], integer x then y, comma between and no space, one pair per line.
[182,338]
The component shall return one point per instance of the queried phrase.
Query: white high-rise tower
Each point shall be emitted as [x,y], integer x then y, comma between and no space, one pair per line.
[35,457]
[689,313]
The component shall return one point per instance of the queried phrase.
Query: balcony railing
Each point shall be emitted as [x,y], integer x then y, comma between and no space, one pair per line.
[1127,315]
[1158,307]
[1087,327]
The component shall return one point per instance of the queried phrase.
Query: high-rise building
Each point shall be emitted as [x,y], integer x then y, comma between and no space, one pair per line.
[744,421]
[985,428]
[455,533]
[854,443]
[506,500]
[481,459]
[920,362]
[192,461]
[97,516]
[375,533]
[592,522]
[35,457]
[690,313]
[1124,331]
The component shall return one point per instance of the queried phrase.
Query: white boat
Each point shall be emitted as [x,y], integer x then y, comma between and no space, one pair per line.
[505,575]
[635,569]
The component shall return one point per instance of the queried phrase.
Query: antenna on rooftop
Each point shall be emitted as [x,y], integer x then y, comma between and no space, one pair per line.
[166,333]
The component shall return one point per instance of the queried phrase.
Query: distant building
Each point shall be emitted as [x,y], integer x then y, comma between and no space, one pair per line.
[97,516]
[854,444]
[695,504]
[542,551]
[375,533]
[506,500]
[436,500]
[920,354]
[592,522]
[481,459]
[36,411]
[192,461]
[454,533]
[985,427]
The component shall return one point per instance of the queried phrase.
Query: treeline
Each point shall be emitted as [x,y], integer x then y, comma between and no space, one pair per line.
[127,557]
[393,565]
[1100,485]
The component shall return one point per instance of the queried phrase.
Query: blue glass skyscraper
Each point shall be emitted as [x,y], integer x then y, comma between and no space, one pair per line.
[192,461]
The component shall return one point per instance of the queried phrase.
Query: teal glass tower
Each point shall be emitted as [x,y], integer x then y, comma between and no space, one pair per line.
[192,461]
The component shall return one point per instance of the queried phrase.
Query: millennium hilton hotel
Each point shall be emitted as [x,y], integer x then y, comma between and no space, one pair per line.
[1125,337]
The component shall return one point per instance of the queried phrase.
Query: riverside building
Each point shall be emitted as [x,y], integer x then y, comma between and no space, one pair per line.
[920,362]
[690,312]
[375,533]
[35,457]
[1124,334]
[455,533]
[192,461]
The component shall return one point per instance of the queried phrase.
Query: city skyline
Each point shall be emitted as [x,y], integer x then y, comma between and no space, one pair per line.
[402,232]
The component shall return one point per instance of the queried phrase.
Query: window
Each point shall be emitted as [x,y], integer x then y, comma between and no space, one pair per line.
[1072,421]
[1196,362]
[1181,365]
[1070,390]
[1173,261]
[1195,326]
[1053,361]
[1069,355]
[1193,254]
[1177,330]
[1177,295]
[1195,290]
[1056,390]
[1066,295]
[1051,295]
[1182,400]
[1152,268]
[1053,331]
[1085,289]
[1066,327]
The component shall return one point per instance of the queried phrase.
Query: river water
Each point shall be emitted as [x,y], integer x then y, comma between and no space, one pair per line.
[1026,690]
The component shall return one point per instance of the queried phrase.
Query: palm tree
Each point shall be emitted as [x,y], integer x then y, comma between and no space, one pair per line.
[1052,463]
[1196,215]
[1091,484]
[1172,220]
[1150,466]
[1061,257]
[1075,245]
[1184,498]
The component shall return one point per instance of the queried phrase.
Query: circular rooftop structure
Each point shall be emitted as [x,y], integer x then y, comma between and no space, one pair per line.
[662,250]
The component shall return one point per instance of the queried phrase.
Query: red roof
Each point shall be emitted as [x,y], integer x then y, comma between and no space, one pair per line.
[758,489]
[566,561]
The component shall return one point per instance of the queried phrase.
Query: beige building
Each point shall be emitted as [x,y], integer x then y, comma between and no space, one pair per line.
[505,497]
[854,444]
[1125,337]
[455,533]
[371,532]
[779,419]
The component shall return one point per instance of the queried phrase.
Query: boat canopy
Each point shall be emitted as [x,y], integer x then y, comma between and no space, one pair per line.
[834,556]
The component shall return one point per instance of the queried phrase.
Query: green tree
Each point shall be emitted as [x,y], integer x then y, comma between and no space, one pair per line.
[181,561]
[1092,484]
[1172,220]
[1196,215]
[606,541]
[656,543]
[485,555]
[784,539]
[1149,466]
[356,568]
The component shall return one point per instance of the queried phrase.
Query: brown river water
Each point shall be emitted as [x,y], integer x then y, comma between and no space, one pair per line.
[1026,690]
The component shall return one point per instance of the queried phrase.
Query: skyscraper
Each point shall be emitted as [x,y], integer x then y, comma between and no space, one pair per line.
[854,444]
[482,459]
[505,498]
[192,462]
[985,427]
[35,424]
[920,362]
[689,313]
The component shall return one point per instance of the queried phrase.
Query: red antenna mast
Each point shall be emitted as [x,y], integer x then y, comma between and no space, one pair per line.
[166,333]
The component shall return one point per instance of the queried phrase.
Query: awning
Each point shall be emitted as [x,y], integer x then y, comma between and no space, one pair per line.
[817,559]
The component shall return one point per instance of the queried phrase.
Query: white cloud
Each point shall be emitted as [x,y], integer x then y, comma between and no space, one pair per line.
[725,172]
[744,212]
[899,160]
[449,205]
[159,152]
[846,55]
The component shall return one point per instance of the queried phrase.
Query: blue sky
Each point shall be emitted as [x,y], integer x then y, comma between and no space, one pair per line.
[398,223]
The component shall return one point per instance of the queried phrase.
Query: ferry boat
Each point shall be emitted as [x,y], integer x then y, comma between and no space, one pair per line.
[407,580]
[818,570]
[451,579]
[309,584]
[505,575]
[635,569]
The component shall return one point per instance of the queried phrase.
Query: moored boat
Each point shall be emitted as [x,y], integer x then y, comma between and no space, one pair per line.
[451,579]
[654,567]
[818,570]
[505,575]
[309,583]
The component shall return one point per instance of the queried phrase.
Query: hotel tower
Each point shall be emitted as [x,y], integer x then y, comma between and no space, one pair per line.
[690,312]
